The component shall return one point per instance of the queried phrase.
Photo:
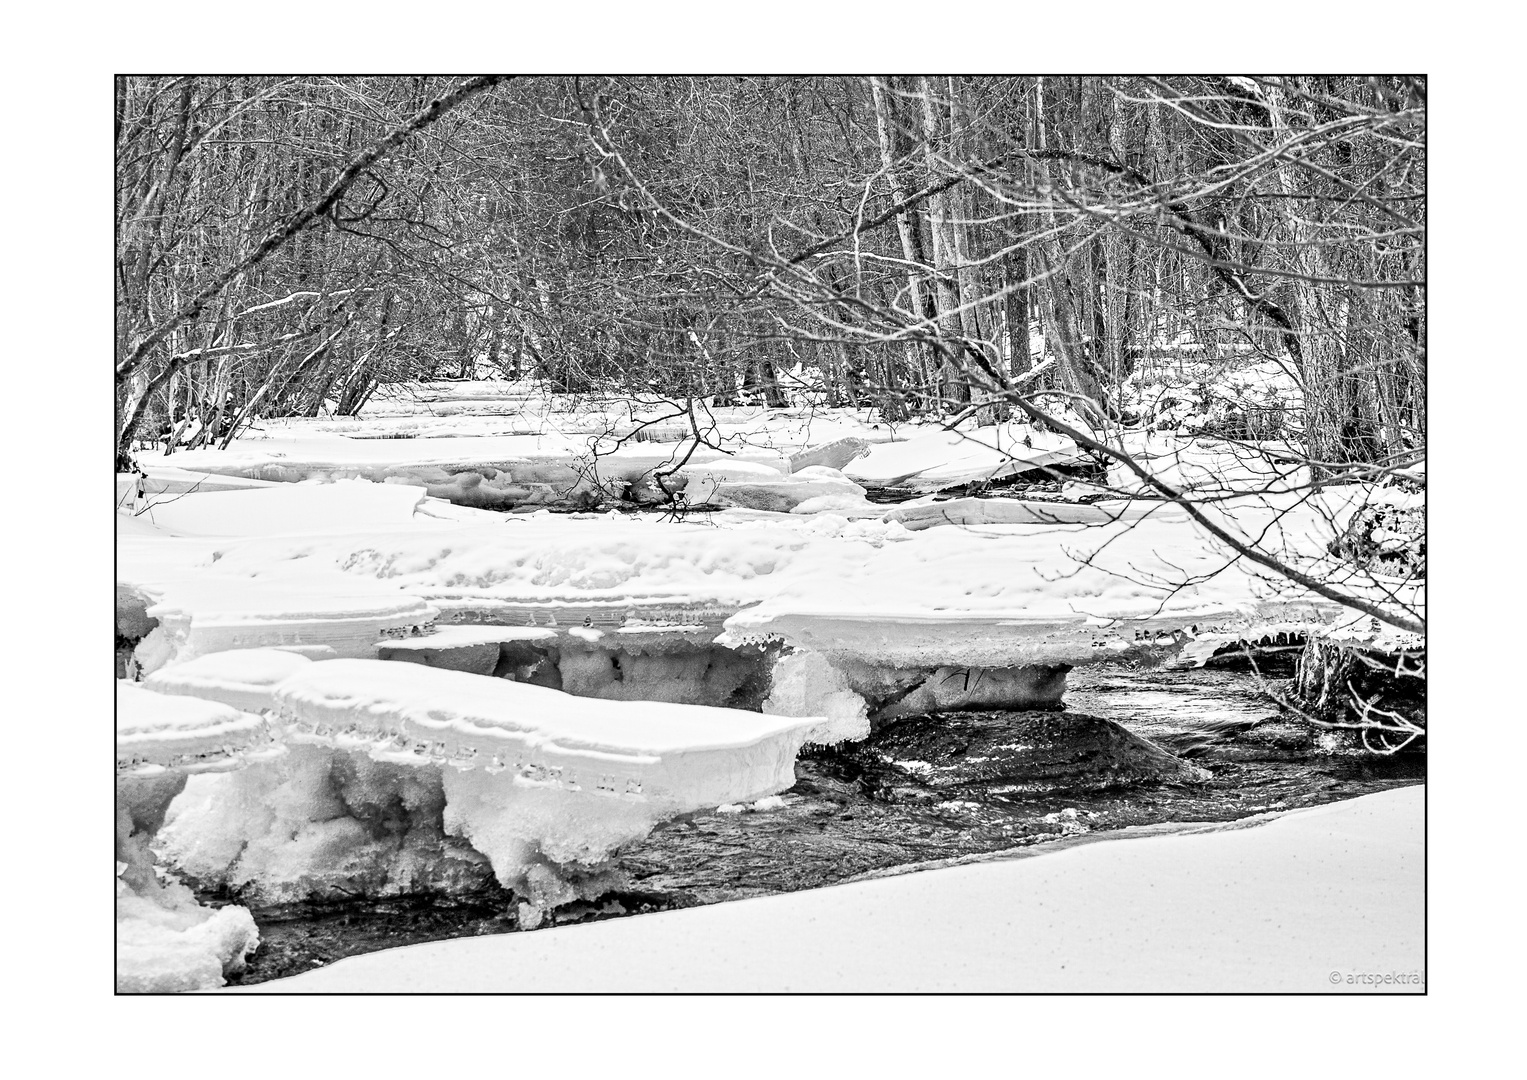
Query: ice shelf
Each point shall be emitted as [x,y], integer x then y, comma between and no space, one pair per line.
[547,786]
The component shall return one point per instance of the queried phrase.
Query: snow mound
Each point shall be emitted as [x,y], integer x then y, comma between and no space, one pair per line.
[166,947]
[320,824]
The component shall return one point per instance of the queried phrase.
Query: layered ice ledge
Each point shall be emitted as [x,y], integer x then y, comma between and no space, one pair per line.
[392,766]
[678,758]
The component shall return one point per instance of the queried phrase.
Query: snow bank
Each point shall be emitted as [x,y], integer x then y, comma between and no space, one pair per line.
[168,943]
[1195,395]
[1285,906]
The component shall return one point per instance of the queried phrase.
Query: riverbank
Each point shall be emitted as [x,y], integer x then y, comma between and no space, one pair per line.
[1329,898]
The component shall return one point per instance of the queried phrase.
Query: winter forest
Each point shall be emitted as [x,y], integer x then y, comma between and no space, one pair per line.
[630,534]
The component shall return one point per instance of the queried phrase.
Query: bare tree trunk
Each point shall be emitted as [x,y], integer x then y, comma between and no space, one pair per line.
[945,258]
[907,231]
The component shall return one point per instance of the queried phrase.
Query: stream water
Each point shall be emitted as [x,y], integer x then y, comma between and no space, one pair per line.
[925,791]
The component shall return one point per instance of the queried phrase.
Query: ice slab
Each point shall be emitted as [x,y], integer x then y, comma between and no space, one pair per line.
[322,611]
[835,455]
[188,734]
[769,490]
[679,755]
[242,678]
[546,785]
[286,508]
[942,459]
[976,511]
[462,636]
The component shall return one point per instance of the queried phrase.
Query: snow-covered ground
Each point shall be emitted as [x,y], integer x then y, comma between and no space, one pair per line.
[337,566]
[1316,900]
[324,542]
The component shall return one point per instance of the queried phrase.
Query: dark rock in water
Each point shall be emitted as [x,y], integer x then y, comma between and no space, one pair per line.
[1341,683]
[133,625]
[1007,753]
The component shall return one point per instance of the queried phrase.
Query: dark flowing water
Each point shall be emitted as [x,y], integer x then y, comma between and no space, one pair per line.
[926,791]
